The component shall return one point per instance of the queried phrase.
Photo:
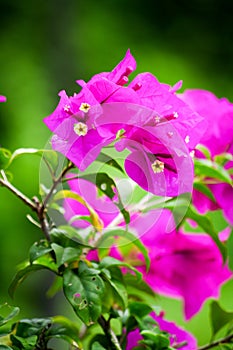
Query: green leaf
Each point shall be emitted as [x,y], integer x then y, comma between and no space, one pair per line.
[230,250]
[23,273]
[210,169]
[134,286]
[115,291]
[104,158]
[219,317]
[207,225]
[39,249]
[65,255]
[24,343]
[160,341]
[5,347]
[49,156]
[67,236]
[139,309]
[97,346]
[13,312]
[204,150]
[108,262]
[223,158]
[104,239]
[199,186]
[5,156]
[83,289]
[108,186]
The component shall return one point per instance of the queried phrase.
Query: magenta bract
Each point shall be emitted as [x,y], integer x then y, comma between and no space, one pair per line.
[90,120]
[218,138]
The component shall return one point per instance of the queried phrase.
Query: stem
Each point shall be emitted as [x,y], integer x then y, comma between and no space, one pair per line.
[4,182]
[109,332]
[217,342]
[56,182]
[36,205]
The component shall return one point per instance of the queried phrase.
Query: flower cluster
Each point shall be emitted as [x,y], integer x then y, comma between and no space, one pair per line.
[154,124]
[122,231]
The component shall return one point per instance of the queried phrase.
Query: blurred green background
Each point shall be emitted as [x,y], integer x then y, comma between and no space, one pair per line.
[45,46]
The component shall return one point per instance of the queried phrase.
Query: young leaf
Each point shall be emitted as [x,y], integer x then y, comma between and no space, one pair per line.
[95,220]
[49,155]
[104,158]
[39,249]
[210,169]
[199,186]
[207,225]
[23,273]
[219,317]
[83,289]
[13,312]
[109,262]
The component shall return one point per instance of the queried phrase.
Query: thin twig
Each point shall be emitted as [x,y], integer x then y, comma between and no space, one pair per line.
[109,332]
[225,340]
[4,182]
[56,182]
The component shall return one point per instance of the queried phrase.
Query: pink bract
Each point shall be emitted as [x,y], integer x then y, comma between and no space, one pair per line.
[218,138]
[183,265]
[90,120]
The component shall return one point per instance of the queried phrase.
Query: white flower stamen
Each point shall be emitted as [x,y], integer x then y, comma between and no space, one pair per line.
[80,129]
[84,107]
[175,115]
[66,108]
[157,119]
[187,139]
[157,166]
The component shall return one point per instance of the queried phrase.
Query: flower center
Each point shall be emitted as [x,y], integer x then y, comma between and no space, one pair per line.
[157,166]
[80,129]
[84,107]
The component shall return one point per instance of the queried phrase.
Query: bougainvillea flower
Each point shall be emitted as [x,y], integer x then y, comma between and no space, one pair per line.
[2,98]
[158,163]
[177,335]
[88,121]
[72,123]
[183,265]
[218,138]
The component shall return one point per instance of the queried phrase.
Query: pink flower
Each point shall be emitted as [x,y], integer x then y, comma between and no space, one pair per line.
[177,335]
[2,98]
[88,121]
[218,138]
[183,265]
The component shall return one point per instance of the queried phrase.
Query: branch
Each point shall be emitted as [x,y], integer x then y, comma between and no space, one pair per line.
[225,340]
[109,332]
[56,182]
[4,182]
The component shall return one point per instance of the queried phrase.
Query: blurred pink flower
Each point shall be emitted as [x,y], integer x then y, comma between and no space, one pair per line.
[2,98]
[218,138]
[183,265]
[177,335]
